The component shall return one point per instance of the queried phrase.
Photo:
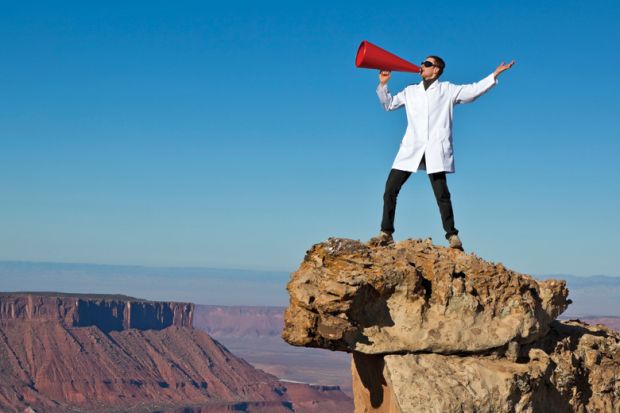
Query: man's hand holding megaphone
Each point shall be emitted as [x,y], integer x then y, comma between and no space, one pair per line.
[384,76]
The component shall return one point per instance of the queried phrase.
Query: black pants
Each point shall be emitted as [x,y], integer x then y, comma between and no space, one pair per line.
[396,180]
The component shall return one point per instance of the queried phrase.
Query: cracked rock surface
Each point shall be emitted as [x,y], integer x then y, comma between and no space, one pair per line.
[414,296]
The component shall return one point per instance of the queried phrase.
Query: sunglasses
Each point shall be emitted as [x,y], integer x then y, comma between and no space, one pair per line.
[426,63]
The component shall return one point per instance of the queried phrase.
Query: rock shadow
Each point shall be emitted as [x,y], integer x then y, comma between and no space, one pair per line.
[369,369]
[369,307]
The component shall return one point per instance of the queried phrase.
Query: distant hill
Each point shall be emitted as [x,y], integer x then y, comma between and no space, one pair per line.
[254,334]
[609,321]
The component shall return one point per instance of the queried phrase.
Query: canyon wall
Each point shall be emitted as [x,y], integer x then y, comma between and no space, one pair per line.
[107,312]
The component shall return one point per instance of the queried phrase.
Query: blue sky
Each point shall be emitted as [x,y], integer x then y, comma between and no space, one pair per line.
[238,134]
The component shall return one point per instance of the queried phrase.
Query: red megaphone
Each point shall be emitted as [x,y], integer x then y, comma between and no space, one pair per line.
[370,56]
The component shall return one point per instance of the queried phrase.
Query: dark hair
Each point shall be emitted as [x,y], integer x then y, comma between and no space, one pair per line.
[439,63]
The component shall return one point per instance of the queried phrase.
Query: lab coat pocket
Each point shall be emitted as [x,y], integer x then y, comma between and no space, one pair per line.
[443,134]
[446,144]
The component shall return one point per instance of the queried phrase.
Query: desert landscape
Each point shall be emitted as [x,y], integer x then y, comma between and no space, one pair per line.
[98,353]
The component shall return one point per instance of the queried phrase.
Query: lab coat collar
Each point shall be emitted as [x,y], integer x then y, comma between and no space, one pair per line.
[432,85]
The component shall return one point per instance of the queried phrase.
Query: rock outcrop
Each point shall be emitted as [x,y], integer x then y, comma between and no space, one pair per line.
[433,329]
[414,297]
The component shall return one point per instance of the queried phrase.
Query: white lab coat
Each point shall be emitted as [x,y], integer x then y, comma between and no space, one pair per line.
[429,121]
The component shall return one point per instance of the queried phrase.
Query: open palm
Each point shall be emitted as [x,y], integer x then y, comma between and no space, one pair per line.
[503,67]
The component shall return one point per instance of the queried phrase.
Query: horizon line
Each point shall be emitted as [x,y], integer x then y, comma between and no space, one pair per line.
[146,266]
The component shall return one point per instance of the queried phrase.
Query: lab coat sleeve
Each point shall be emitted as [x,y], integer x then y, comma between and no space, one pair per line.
[469,93]
[388,101]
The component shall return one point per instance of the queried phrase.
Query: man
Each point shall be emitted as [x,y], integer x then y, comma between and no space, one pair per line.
[427,144]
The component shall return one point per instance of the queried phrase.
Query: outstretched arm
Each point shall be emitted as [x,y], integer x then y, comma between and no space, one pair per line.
[388,101]
[469,93]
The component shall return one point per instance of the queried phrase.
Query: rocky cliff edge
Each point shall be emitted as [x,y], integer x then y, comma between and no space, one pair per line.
[434,329]
[414,297]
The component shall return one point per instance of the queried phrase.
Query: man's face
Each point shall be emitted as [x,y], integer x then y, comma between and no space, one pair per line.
[429,72]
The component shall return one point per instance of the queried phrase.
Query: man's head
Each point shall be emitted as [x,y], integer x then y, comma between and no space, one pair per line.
[432,67]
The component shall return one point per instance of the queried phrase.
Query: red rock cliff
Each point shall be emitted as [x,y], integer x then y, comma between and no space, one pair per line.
[107,312]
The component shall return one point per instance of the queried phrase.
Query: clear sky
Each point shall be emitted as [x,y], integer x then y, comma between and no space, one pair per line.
[237,134]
